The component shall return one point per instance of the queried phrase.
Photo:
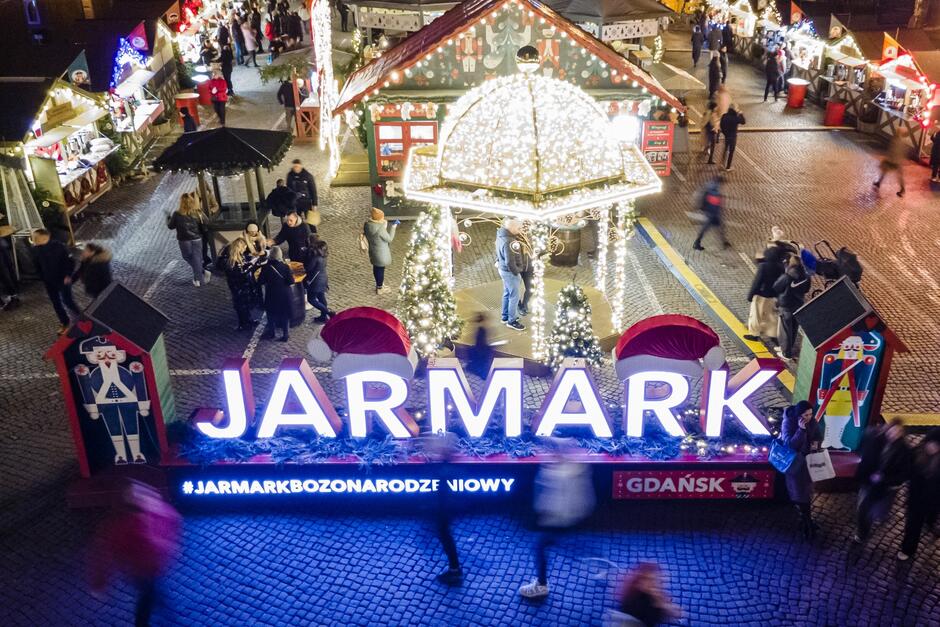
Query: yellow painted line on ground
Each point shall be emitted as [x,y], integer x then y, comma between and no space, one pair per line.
[708,297]
[916,420]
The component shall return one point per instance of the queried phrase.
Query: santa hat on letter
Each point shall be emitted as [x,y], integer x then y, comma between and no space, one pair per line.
[668,343]
[364,338]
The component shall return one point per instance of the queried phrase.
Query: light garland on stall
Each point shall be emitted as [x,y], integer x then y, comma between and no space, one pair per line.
[600,263]
[327,87]
[624,211]
[126,55]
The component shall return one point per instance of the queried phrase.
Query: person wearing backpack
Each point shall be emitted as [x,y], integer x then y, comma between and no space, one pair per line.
[800,433]
[712,209]
[791,288]
[276,277]
[375,238]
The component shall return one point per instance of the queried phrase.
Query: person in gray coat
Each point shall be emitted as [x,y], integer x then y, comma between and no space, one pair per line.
[379,234]
[510,266]
[800,432]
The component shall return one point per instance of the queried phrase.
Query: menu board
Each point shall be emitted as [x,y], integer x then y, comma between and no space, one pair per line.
[657,145]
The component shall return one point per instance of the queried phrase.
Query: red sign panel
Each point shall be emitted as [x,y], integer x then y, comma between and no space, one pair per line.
[693,484]
[657,145]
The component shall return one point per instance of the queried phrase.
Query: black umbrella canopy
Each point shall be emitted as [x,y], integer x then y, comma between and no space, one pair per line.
[225,151]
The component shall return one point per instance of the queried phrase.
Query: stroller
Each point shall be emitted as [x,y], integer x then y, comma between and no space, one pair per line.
[831,265]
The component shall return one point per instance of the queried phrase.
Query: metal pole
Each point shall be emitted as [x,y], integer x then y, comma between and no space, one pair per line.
[261,193]
[252,209]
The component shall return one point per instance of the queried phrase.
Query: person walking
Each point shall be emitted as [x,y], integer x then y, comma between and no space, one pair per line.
[251,43]
[642,597]
[711,124]
[343,15]
[723,63]
[282,199]
[923,499]
[139,539]
[316,281]
[55,269]
[714,39]
[762,321]
[218,89]
[226,65]
[564,498]
[254,22]
[727,37]
[285,96]
[222,34]
[509,264]
[239,266]
[729,124]
[884,466]
[189,124]
[295,27]
[276,278]
[302,184]
[800,432]
[894,160]
[94,269]
[712,209]
[935,156]
[714,74]
[378,234]
[296,233]
[698,40]
[190,226]
[772,77]
[791,288]
[238,39]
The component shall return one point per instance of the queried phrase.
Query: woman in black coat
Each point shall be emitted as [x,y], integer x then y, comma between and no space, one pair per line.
[238,266]
[800,432]
[714,74]
[884,466]
[923,500]
[276,277]
[94,269]
[772,74]
[316,279]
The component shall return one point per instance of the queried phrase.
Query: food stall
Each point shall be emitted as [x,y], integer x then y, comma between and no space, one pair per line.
[907,98]
[806,49]
[845,72]
[743,25]
[59,142]
[768,34]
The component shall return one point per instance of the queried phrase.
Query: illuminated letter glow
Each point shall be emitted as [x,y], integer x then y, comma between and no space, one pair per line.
[637,403]
[389,409]
[573,377]
[714,399]
[322,417]
[445,376]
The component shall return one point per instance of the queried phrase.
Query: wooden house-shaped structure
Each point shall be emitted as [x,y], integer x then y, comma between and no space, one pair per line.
[400,98]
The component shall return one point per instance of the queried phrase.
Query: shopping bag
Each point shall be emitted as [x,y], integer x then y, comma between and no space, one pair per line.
[819,465]
[781,456]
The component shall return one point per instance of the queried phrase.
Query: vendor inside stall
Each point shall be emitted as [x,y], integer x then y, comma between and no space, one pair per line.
[805,46]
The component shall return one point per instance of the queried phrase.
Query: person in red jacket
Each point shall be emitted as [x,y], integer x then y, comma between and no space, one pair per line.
[218,88]
[139,540]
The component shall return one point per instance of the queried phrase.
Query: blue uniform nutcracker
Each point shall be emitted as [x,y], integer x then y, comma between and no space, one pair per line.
[115,393]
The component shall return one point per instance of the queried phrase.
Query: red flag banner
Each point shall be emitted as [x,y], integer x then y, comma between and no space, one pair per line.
[890,48]
[796,13]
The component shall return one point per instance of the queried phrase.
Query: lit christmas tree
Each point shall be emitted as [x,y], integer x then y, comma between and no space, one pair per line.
[427,306]
[573,334]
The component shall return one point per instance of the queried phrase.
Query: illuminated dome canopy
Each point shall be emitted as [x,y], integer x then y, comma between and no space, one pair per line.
[529,146]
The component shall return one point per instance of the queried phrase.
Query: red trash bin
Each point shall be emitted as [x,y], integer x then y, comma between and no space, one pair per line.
[796,88]
[835,113]
[202,87]
[190,101]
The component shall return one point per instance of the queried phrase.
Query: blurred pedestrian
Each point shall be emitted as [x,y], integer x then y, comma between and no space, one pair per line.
[729,124]
[772,76]
[762,320]
[190,225]
[251,43]
[923,499]
[277,278]
[441,449]
[509,265]
[935,155]
[711,121]
[698,40]
[800,432]
[480,355]
[343,15]
[238,39]
[786,67]
[94,269]
[139,539]
[254,21]
[727,37]
[285,96]
[55,269]
[723,99]
[282,199]
[894,159]
[9,292]
[791,288]
[712,210]
[218,89]
[189,124]
[257,242]
[884,466]
[239,265]
[295,27]
[642,597]
[303,184]
[378,234]
[723,63]
[315,280]
[295,232]
[714,39]
[714,74]
[227,64]
[564,497]
[222,34]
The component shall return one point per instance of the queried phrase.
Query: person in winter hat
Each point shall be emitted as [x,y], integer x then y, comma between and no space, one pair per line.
[712,207]
[762,319]
[800,432]
[379,234]
[791,288]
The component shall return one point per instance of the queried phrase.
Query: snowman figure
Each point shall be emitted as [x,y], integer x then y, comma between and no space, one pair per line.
[116,393]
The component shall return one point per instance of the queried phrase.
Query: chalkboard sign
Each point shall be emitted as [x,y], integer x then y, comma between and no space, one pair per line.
[840,306]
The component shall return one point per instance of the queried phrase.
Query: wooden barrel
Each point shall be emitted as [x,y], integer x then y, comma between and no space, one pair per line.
[569,239]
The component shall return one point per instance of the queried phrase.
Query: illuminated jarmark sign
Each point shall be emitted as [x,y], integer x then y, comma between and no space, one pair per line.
[572,401]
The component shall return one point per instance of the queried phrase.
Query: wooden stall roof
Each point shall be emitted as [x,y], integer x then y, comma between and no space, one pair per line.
[459,19]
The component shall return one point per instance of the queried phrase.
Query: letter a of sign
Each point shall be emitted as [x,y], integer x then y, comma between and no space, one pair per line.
[559,409]
[446,377]
[295,376]
[715,388]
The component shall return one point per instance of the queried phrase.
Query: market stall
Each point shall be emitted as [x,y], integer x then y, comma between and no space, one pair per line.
[806,49]
[743,24]
[907,99]
[53,127]
[845,72]
[768,35]
[401,98]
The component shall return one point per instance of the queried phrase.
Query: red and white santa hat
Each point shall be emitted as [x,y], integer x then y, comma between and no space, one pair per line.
[670,343]
[364,338]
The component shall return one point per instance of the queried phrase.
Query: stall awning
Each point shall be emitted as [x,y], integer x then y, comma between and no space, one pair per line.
[52,137]
[894,78]
[133,82]
[845,59]
[86,118]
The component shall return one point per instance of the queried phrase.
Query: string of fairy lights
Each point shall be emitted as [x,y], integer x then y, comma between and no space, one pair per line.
[603,232]
[327,86]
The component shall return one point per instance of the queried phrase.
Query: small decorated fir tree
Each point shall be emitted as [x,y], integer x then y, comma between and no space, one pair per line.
[427,306]
[573,334]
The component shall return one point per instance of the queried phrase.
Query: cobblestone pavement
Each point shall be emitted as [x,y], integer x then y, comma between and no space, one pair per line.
[729,563]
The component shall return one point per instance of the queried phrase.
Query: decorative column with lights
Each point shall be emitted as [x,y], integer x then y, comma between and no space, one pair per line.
[538,234]
[600,263]
[327,90]
[626,223]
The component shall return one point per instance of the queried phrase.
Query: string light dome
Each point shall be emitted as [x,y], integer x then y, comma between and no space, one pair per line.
[528,146]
